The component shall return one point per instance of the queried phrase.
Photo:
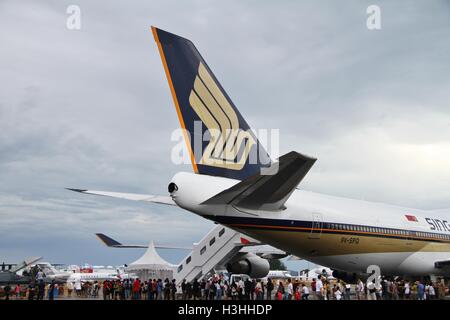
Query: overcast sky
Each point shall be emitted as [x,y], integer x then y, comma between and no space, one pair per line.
[91,108]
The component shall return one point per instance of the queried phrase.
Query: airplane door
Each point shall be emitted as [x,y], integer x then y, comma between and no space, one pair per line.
[316,226]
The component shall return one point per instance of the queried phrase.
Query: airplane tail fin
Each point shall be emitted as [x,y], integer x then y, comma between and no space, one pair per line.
[25,264]
[219,140]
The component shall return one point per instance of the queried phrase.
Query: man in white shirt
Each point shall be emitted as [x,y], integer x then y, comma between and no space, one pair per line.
[40,275]
[360,290]
[407,290]
[305,292]
[319,288]
[371,291]
[338,294]
[290,290]
[241,286]
[431,292]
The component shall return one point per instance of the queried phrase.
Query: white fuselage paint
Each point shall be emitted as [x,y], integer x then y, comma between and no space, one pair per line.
[193,189]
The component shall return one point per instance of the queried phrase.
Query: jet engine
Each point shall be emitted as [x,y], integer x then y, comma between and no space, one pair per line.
[250,264]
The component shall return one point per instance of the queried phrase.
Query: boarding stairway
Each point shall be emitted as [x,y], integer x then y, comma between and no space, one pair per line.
[217,248]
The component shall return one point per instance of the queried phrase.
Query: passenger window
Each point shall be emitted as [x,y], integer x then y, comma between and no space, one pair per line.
[203,250]
[221,232]
[211,242]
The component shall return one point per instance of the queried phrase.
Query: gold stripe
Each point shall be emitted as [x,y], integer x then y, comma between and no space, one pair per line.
[324,244]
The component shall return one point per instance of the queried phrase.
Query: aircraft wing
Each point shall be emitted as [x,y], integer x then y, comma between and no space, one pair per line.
[267,192]
[129,196]
[110,242]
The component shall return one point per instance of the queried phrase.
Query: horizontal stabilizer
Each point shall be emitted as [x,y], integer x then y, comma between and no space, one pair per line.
[267,192]
[110,242]
[129,196]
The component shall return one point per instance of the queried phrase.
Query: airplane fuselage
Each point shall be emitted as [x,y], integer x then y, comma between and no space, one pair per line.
[340,233]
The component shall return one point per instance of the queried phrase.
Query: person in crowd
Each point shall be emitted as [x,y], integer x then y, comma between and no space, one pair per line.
[441,289]
[290,290]
[337,293]
[143,289]
[431,293]
[305,292]
[196,289]
[384,289]
[7,291]
[247,289]
[70,286]
[56,291]
[40,275]
[207,290]
[105,291]
[348,289]
[51,290]
[135,289]
[41,290]
[279,294]
[319,289]
[227,290]
[281,290]
[173,289]
[17,291]
[234,291]
[420,290]
[407,290]
[78,288]
[258,291]
[218,290]
[269,289]
[188,291]
[313,287]
[371,291]
[112,289]
[252,290]
[183,289]
[31,290]
[121,290]
[379,290]
[394,290]
[297,294]
[148,289]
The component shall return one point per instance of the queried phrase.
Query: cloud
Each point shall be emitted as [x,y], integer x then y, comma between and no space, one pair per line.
[92,108]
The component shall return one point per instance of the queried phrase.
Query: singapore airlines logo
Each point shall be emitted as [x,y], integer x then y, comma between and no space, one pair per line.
[229,146]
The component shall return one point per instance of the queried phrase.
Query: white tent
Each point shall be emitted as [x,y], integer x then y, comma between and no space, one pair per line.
[151,265]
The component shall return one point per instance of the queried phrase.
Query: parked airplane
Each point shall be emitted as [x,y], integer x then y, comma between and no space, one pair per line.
[231,185]
[51,273]
[10,272]
[279,274]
